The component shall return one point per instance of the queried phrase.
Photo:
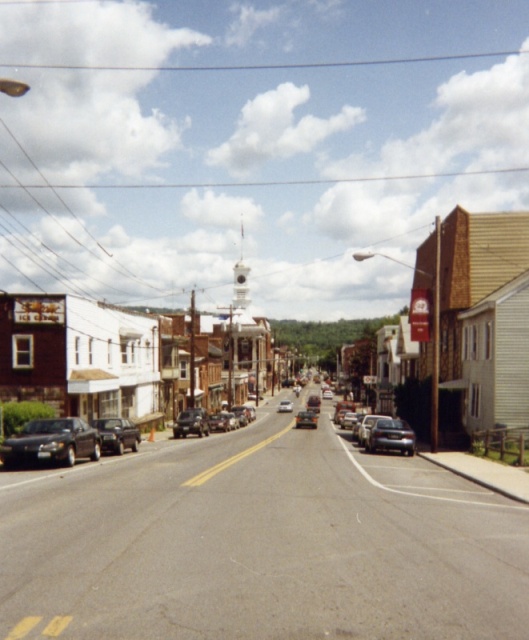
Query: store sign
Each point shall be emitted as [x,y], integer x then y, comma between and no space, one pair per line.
[420,312]
[370,379]
[39,311]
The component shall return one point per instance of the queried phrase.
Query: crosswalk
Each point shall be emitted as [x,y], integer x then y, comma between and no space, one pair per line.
[37,624]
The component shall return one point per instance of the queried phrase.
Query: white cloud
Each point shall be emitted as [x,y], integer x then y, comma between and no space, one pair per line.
[249,20]
[266,130]
[221,210]
[87,123]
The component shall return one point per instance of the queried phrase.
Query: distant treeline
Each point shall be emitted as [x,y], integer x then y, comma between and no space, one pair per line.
[318,338]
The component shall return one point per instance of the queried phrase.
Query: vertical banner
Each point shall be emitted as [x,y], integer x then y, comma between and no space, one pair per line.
[420,312]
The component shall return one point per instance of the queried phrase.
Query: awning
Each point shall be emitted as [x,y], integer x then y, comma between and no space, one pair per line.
[92,381]
[198,393]
[454,385]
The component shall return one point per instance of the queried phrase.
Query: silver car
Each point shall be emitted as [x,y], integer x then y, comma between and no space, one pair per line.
[365,428]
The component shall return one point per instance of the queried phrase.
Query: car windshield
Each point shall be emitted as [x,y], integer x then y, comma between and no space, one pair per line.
[217,416]
[286,402]
[107,424]
[392,424]
[47,426]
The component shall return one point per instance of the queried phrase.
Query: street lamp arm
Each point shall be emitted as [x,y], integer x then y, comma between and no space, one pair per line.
[13,88]
[360,256]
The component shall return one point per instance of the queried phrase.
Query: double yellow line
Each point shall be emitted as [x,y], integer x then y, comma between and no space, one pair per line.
[203,477]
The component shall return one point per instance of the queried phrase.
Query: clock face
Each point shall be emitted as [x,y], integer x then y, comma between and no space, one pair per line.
[241,279]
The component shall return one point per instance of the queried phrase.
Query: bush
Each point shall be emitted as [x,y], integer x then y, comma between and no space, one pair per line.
[16,414]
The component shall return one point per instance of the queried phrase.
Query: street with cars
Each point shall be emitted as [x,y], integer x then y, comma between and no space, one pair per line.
[261,532]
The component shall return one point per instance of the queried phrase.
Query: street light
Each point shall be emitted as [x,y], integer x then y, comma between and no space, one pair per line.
[13,88]
[366,255]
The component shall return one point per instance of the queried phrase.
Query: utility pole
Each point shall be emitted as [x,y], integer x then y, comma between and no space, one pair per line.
[230,365]
[192,358]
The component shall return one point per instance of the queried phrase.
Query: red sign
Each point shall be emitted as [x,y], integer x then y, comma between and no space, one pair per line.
[420,315]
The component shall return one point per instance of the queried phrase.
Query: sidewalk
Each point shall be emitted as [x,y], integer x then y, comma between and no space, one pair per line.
[512,482]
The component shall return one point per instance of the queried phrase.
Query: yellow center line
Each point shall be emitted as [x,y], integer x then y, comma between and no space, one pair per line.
[57,626]
[24,627]
[206,475]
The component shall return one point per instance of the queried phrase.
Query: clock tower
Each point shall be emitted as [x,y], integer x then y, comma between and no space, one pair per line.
[240,285]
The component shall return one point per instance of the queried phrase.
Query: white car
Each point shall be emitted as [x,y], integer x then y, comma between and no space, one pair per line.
[327,394]
[365,428]
[285,406]
[349,420]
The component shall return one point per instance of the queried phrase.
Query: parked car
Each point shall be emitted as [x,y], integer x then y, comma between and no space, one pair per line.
[338,419]
[314,404]
[340,406]
[60,440]
[285,406]
[117,434]
[363,432]
[391,434]
[349,420]
[307,419]
[252,415]
[191,421]
[233,421]
[220,422]
[242,415]
[327,394]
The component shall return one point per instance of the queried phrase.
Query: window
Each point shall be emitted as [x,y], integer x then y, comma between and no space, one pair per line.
[124,354]
[475,400]
[183,369]
[22,352]
[489,338]
[91,351]
[77,350]
[474,342]
[108,404]
[109,352]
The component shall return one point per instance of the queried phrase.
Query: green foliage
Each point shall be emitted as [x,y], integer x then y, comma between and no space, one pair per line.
[16,414]
[321,339]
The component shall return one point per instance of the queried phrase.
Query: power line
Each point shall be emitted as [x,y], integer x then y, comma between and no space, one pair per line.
[273,183]
[272,67]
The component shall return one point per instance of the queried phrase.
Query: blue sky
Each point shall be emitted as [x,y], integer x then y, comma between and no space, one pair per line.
[225,114]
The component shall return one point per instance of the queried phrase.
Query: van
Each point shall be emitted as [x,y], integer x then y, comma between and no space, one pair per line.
[314,403]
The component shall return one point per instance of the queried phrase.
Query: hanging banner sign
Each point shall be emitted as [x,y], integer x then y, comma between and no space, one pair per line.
[420,312]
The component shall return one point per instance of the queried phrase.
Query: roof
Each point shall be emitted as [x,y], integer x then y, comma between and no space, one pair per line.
[498,296]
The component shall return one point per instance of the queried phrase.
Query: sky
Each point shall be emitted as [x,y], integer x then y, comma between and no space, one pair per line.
[162,142]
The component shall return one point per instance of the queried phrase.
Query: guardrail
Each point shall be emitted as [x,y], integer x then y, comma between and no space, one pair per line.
[508,443]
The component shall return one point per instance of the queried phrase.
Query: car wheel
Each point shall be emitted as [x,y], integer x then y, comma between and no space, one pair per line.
[372,448]
[135,446]
[120,449]
[70,456]
[96,453]
[200,433]
[207,433]
[411,452]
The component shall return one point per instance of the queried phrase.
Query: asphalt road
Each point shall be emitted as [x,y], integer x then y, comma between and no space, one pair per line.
[264,533]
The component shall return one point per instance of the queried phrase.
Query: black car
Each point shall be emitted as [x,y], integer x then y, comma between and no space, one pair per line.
[307,419]
[193,421]
[61,440]
[117,434]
